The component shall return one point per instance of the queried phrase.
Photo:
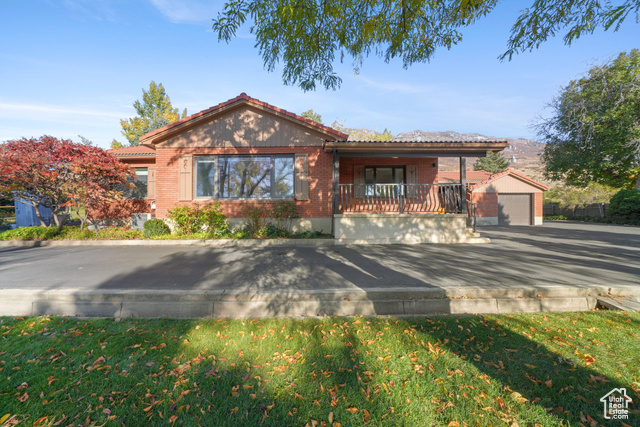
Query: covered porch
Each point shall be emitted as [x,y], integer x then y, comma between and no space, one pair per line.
[387,192]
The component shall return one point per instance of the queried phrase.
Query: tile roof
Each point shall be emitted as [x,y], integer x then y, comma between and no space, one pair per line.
[138,150]
[245,98]
[433,142]
[472,176]
[512,172]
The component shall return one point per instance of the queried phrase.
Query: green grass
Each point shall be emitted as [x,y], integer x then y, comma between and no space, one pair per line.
[119,233]
[527,370]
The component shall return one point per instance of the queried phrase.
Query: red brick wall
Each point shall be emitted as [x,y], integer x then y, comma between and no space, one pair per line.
[537,204]
[427,173]
[487,204]
[320,171]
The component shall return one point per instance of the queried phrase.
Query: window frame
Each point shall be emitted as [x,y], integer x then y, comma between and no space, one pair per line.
[136,170]
[376,193]
[217,187]
[393,167]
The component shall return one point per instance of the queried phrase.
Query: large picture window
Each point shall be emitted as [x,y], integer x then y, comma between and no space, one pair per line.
[245,177]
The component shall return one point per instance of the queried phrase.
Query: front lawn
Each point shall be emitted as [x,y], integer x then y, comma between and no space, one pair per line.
[527,370]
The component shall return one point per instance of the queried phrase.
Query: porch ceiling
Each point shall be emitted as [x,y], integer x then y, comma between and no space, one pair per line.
[415,148]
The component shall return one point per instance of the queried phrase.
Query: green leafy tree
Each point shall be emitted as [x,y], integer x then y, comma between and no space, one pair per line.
[309,36]
[593,133]
[116,144]
[626,205]
[312,115]
[154,111]
[493,162]
[569,196]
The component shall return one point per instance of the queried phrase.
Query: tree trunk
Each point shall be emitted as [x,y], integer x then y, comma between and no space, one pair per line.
[38,214]
[57,220]
[82,220]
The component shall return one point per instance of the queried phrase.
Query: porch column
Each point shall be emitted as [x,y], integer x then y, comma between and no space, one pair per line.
[463,183]
[335,189]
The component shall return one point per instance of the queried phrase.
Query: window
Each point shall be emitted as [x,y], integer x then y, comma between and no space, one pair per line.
[140,186]
[376,176]
[244,177]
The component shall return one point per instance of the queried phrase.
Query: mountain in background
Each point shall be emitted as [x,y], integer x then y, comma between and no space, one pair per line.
[524,155]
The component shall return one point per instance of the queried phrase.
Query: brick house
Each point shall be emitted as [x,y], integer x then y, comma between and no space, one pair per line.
[247,152]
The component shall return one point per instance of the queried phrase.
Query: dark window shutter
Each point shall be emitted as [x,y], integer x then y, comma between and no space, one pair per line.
[302,176]
[358,180]
[412,178]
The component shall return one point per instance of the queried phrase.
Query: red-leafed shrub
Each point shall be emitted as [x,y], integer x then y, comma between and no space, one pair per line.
[61,175]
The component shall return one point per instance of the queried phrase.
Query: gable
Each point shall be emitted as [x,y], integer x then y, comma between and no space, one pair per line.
[245,126]
[507,184]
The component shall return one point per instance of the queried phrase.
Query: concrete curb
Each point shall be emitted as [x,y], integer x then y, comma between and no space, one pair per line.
[399,302]
[208,243]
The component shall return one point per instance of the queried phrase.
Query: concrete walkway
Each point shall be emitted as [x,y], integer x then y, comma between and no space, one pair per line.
[557,260]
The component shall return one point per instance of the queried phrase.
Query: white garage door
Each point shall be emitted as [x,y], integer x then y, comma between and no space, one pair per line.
[514,209]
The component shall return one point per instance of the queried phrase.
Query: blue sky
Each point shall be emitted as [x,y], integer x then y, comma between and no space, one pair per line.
[74,67]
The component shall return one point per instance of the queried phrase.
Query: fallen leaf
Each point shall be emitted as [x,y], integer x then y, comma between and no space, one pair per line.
[518,397]
[352,409]
[453,424]
[599,378]
[365,416]
[548,383]
[107,411]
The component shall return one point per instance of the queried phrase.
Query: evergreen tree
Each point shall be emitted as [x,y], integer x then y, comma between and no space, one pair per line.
[494,163]
[155,111]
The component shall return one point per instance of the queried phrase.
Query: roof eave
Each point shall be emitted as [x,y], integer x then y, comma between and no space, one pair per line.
[410,147]
[135,156]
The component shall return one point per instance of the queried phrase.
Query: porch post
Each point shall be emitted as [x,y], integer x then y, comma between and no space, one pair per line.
[463,183]
[336,189]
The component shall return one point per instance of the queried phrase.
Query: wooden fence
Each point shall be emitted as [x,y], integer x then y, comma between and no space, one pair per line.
[598,210]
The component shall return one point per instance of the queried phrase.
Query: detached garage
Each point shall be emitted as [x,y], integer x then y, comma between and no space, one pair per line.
[508,198]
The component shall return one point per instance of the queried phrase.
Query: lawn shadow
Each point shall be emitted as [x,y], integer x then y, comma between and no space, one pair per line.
[564,386]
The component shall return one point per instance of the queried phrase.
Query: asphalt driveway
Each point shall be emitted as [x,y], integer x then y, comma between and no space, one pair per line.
[572,254]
